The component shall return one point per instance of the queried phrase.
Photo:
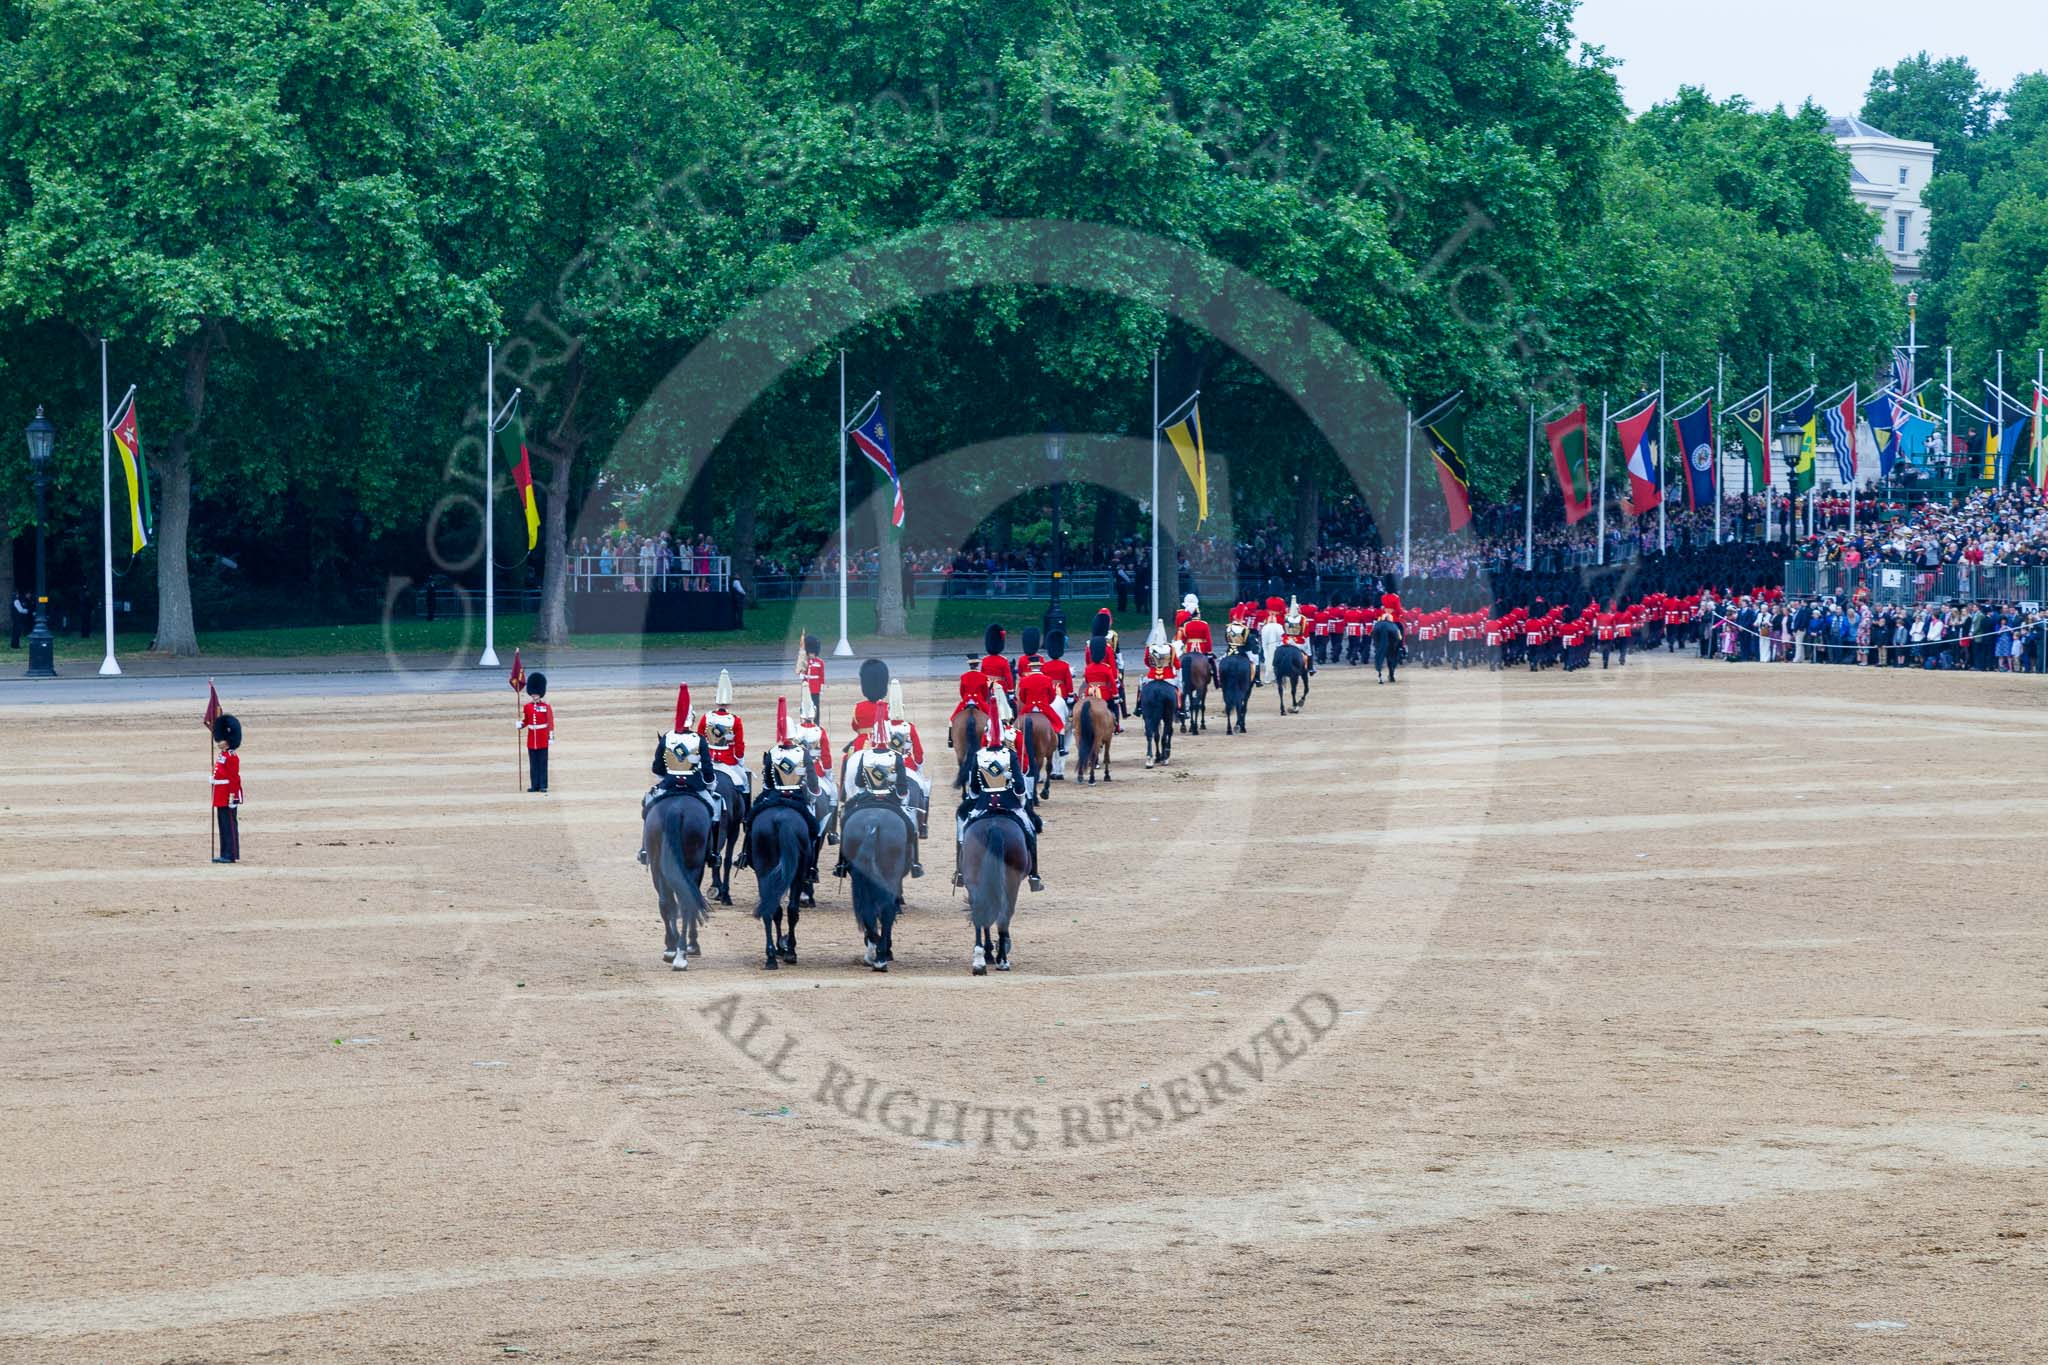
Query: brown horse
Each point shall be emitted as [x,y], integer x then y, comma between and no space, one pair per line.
[965,735]
[1039,742]
[1098,730]
[1197,672]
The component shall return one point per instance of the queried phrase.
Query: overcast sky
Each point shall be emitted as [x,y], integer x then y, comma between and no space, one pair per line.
[1781,51]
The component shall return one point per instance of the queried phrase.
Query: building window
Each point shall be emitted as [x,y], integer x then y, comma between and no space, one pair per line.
[1904,220]
[1902,175]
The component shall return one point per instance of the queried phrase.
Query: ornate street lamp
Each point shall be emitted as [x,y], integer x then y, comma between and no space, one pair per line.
[42,650]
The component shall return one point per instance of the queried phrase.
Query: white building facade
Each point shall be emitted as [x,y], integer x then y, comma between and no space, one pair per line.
[1887,175]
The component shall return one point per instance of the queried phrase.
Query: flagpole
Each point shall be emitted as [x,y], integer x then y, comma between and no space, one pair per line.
[1998,425]
[844,649]
[108,668]
[1948,410]
[1720,383]
[1855,469]
[1407,491]
[490,655]
[1603,479]
[1664,413]
[1529,501]
[1155,491]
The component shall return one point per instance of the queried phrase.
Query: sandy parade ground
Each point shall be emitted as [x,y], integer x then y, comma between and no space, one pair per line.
[1682,1012]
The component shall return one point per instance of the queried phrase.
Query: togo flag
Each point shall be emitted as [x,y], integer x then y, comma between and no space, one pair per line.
[1695,432]
[129,442]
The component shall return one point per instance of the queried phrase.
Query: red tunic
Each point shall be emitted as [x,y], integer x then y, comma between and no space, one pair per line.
[1036,692]
[1099,679]
[997,669]
[973,688]
[1062,675]
[539,720]
[814,675]
[738,750]
[227,779]
[1196,634]
[1162,673]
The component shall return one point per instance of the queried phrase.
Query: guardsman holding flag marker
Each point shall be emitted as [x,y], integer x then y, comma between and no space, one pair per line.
[537,725]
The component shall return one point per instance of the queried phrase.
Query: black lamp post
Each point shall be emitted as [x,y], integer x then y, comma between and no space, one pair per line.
[42,650]
[1056,454]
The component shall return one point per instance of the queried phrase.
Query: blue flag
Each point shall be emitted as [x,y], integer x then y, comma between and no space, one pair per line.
[1695,432]
[1884,421]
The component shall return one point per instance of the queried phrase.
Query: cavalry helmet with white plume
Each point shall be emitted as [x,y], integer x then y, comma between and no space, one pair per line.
[1191,604]
[724,694]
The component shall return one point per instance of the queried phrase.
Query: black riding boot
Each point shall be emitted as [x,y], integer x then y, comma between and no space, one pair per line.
[1036,884]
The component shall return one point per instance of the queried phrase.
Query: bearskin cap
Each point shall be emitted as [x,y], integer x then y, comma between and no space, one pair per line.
[874,679]
[536,684]
[993,639]
[228,730]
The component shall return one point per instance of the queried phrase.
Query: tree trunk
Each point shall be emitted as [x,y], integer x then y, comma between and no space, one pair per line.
[1307,518]
[560,451]
[6,558]
[175,633]
[891,622]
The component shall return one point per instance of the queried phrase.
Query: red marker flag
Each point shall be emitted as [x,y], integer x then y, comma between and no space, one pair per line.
[212,707]
[518,678]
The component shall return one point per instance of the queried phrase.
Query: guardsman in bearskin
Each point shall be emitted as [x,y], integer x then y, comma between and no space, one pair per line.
[537,723]
[1033,638]
[1098,677]
[994,663]
[973,692]
[1037,692]
[227,786]
[995,782]
[1062,674]
[682,763]
[811,735]
[810,671]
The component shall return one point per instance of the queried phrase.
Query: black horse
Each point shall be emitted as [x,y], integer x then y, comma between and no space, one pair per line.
[1290,676]
[874,840]
[1156,704]
[1388,649]
[725,841]
[676,835]
[780,850]
[1234,672]
[995,860]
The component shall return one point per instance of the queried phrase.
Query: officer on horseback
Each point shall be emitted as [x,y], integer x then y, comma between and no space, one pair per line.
[789,775]
[995,787]
[682,763]
[877,773]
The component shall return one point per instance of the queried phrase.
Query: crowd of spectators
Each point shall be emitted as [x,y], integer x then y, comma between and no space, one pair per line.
[1982,637]
[1990,528]
[621,561]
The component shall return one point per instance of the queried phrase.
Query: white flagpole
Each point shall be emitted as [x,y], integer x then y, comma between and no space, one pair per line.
[1770,435]
[1948,412]
[1529,501]
[490,657]
[1999,465]
[108,667]
[1155,485]
[1856,472]
[1720,384]
[1407,495]
[1663,494]
[1603,479]
[844,649]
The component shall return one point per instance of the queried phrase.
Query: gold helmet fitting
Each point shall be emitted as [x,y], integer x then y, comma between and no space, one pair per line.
[786,764]
[681,750]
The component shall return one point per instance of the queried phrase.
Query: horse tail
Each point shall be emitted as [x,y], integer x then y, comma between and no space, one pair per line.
[776,880]
[881,846]
[1087,730]
[676,878]
[988,895]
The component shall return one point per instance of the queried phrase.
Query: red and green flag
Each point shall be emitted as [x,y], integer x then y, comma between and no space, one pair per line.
[1568,456]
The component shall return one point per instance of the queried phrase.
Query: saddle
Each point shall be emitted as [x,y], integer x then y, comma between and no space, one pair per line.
[663,791]
[1028,822]
[866,800]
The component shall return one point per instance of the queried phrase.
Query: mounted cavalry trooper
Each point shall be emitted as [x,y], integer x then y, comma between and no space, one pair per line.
[995,665]
[811,736]
[995,790]
[1062,674]
[877,773]
[1294,628]
[1159,662]
[904,740]
[682,764]
[790,775]
[1270,632]
[1105,632]
[1030,658]
[726,736]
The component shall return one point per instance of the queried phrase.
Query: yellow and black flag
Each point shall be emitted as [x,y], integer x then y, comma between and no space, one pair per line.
[1186,435]
[1445,429]
[128,441]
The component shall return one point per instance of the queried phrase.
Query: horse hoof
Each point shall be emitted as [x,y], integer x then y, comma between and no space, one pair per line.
[980,961]
[769,963]
[724,898]
[882,965]
[681,963]
[1002,964]
[867,956]
[668,955]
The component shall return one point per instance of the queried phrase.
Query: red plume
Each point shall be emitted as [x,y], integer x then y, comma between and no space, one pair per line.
[683,706]
[881,724]
[782,720]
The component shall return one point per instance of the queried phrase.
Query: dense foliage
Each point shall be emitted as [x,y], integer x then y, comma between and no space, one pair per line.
[299,223]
